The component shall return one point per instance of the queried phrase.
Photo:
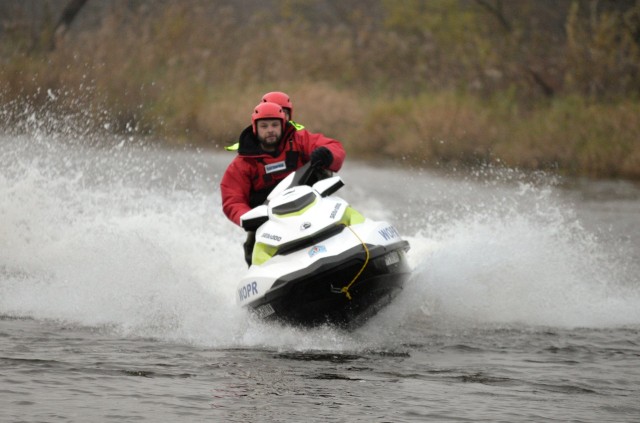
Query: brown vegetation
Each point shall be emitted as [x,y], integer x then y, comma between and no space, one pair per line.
[534,84]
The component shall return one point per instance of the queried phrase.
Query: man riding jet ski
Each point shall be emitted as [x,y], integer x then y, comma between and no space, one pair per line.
[269,150]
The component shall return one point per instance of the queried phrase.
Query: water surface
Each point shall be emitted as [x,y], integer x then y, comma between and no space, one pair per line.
[118,273]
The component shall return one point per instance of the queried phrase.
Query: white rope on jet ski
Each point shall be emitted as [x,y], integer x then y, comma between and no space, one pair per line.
[345,289]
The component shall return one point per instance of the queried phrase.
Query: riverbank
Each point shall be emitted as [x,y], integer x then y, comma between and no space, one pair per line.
[444,97]
[568,136]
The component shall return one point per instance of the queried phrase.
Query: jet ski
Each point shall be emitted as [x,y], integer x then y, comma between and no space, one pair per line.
[317,260]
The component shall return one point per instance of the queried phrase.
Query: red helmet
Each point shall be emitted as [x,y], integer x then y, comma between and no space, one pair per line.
[280,98]
[267,111]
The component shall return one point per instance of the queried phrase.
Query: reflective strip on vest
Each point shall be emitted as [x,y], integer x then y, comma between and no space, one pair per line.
[233,147]
[296,125]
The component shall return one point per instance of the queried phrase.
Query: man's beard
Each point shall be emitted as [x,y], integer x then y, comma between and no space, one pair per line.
[269,142]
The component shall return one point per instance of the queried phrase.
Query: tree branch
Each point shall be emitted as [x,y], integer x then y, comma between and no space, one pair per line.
[68,14]
[497,12]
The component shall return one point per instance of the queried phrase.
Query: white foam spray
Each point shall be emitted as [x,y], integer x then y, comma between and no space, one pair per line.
[129,238]
[516,254]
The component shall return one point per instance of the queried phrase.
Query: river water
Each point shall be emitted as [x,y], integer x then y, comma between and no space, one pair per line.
[117,297]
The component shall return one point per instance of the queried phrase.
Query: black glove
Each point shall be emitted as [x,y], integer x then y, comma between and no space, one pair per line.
[322,157]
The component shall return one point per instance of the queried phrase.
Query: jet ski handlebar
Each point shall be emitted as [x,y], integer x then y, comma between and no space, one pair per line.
[313,175]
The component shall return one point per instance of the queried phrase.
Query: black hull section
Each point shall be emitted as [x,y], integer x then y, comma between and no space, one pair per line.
[317,299]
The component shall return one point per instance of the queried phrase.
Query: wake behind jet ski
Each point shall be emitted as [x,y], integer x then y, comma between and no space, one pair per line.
[317,260]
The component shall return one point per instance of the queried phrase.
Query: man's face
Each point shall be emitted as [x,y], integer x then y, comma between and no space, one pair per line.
[269,132]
